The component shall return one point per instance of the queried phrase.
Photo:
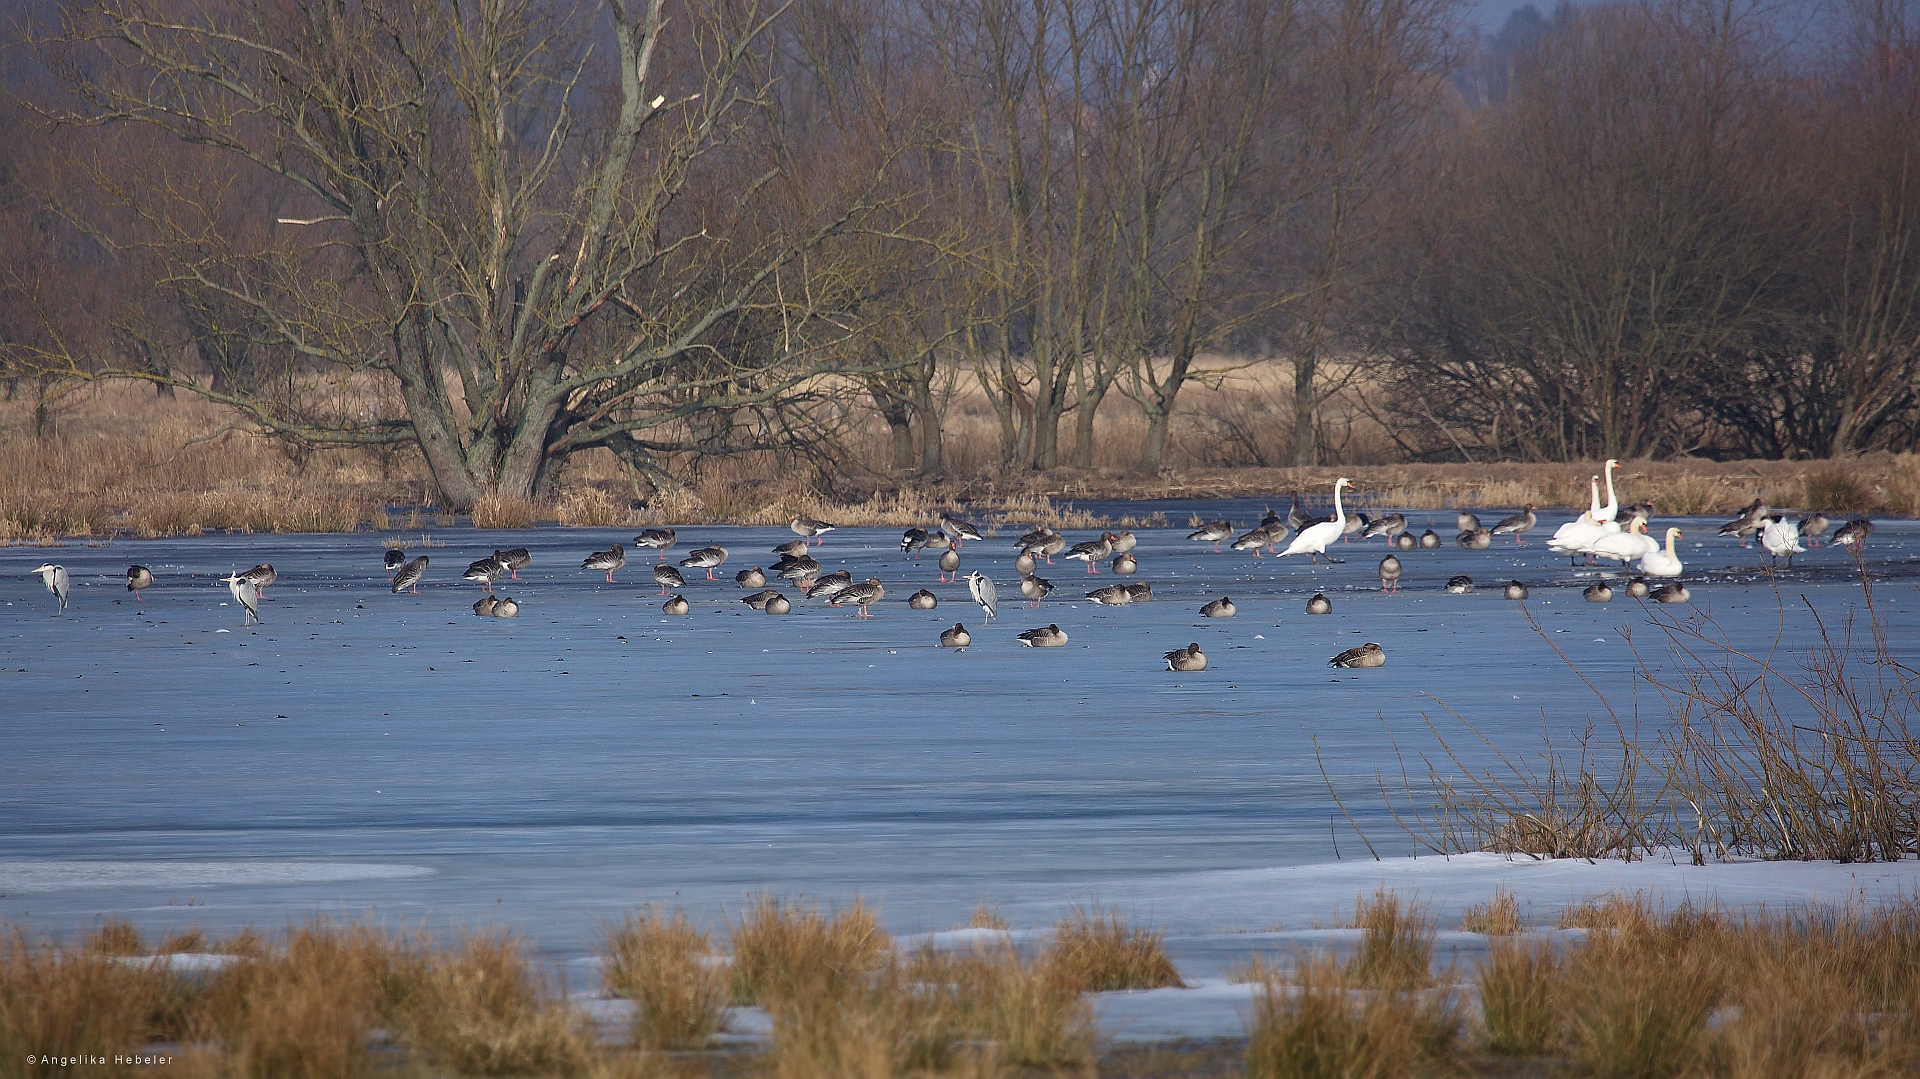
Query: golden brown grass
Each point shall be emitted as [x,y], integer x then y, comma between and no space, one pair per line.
[1499,916]
[1519,983]
[987,917]
[666,966]
[1396,944]
[1322,1025]
[58,1001]
[478,1009]
[785,952]
[1094,951]
[130,463]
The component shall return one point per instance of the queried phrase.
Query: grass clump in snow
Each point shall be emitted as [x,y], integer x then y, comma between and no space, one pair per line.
[666,967]
[785,952]
[1520,985]
[1095,951]
[1396,944]
[1499,916]
[478,1009]
[988,917]
[1324,1023]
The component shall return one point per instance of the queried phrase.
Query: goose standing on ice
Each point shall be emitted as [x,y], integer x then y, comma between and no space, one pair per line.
[665,576]
[1367,655]
[1035,589]
[1390,570]
[1517,525]
[959,528]
[1319,604]
[1853,535]
[1781,536]
[408,579]
[830,586]
[1659,563]
[138,577]
[1392,526]
[57,582]
[261,576]
[1093,552]
[1187,659]
[949,566]
[394,560]
[660,539]
[980,587]
[1356,523]
[706,558]
[1212,532]
[1313,540]
[1296,520]
[791,548]
[809,529]
[1813,526]
[1745,525]
[913,541]
[957,637]
[515,560]
[609,560]
[862,595]
[484,572]
[247,594]
[1220,608]
[1260,538]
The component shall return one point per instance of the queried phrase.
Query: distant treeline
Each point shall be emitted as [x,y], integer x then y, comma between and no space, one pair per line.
[511,232]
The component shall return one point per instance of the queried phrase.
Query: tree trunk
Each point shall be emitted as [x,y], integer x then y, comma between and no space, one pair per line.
[1304,442]
[1154,452]
[900,427]
[930,430]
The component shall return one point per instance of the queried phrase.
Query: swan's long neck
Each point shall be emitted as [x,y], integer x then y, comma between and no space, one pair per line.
[1612,508]
[1670,553]
[1593,511]
[1339,514]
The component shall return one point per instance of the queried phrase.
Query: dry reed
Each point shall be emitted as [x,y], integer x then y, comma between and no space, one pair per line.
[1322,1025]
[1094,951]
[1519,987]
[666,967]
[1396,944]
[784,953]
[1499,916]
[479,1009]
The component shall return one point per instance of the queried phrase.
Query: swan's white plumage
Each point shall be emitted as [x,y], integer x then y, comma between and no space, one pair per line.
[1659,563]
[1313,539]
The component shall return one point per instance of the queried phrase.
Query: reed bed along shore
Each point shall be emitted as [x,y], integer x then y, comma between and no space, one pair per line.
[121,462]
[1635,992]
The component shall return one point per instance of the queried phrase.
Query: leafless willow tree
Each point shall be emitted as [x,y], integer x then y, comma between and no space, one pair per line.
[553,229]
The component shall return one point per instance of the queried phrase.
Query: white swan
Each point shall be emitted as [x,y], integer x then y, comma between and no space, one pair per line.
[1611,510]
[1624,547]
[1313,539]
[1658,563]
[1577,535]
[1782,537]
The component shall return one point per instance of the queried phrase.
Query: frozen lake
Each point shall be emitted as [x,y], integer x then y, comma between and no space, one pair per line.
[366,752]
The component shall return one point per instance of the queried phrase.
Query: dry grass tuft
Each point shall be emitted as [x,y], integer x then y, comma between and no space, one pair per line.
[1497,917]
[1323,1025]
[1637,999]
[591,507]
[1610,911]
[71,1001]
[478,1009]
[1520,984]
[1094,952]
[987,917]
[667,967]
[784,953]
[500,511]
[1396,944]
[115,937]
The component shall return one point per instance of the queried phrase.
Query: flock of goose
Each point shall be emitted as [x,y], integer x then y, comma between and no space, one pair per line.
[1604,531]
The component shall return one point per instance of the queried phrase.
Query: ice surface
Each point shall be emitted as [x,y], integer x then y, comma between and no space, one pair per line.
[394,756]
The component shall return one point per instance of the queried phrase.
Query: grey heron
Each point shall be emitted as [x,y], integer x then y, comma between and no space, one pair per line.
[57,582]
[980,586]
[247,594]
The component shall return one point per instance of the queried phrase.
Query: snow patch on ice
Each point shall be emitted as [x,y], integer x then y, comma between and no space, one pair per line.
[30,877]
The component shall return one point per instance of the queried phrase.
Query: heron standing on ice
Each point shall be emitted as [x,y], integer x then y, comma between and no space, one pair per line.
[248,595]
[55,578]
[981,587]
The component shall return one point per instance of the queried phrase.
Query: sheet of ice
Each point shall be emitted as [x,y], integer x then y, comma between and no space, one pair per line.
[592,755]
